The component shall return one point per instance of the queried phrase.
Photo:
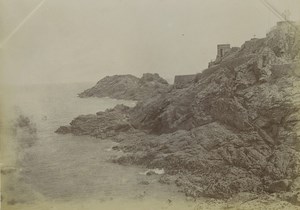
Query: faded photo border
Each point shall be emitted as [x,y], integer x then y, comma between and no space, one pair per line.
[19,132]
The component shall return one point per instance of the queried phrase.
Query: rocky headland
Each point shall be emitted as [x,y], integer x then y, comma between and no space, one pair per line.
[233,129]
[128,87]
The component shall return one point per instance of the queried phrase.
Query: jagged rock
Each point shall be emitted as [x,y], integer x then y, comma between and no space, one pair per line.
[128,87]
[234,129]
[64,130]
[102,125]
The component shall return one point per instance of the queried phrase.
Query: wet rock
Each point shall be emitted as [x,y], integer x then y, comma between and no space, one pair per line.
[150,173]
[63,130]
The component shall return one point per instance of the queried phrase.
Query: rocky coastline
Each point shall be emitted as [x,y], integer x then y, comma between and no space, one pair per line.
[128,87]
[234,129]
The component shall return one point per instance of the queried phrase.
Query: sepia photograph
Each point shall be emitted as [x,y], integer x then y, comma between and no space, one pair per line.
[150,104]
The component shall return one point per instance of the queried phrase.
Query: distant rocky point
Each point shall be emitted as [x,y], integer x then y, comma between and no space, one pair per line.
[128,87]
[232,128]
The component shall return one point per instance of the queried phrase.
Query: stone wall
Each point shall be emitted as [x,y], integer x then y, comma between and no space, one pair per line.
[183,81]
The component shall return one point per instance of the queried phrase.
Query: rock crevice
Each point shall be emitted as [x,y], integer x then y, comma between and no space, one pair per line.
[234,129]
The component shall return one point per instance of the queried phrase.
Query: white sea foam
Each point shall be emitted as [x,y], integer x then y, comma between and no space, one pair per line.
[155,170]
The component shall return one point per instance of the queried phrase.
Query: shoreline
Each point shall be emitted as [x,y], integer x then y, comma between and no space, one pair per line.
[231,129]
[45,173]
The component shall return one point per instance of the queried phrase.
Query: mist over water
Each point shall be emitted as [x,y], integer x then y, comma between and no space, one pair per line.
[56,104]
[67,167]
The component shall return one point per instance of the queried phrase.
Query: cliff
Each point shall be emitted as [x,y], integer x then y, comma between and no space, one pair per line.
[234,129]
[128,87]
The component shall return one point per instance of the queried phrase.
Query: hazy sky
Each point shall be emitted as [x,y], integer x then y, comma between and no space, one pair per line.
[85,40]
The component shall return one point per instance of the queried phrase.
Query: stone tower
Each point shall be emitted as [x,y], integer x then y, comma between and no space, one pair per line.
[222,50]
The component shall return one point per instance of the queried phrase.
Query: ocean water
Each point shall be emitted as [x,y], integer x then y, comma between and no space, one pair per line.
[66,167]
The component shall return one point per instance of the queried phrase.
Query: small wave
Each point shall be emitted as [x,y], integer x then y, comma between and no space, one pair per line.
[155,171]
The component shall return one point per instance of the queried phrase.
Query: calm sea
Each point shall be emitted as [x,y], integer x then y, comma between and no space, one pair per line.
[69,167]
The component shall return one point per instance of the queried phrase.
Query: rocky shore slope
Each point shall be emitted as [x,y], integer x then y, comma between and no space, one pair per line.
[128,87]
[234,129]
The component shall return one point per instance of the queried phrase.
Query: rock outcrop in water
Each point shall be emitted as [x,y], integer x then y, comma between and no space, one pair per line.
[128,87]
[234,129]
[102,125]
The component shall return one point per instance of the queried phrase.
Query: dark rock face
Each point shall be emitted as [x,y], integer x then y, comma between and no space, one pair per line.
[102,125]
[215,161]
[128,87]
[234,129]
[64,130]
